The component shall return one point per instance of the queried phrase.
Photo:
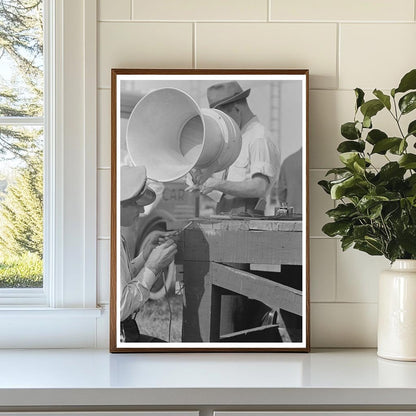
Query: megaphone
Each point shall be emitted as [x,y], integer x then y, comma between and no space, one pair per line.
[170,134]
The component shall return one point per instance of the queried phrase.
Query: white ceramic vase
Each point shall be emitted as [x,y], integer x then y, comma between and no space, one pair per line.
[397,312]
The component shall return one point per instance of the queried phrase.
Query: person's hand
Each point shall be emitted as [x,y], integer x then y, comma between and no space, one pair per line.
[161,256]
[210,185]
[158,238]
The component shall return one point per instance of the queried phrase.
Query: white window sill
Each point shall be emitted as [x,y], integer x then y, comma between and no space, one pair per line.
[36,312]
[37,327]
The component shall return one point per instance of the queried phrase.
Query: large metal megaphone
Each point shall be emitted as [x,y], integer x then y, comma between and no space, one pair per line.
[170,134]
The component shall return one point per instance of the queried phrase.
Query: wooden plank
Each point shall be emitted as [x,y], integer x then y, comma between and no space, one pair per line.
[276,268]
[272,294]
[290,326]
[267,333]
[196,323]
[228,246]
[246,224]
[215,321]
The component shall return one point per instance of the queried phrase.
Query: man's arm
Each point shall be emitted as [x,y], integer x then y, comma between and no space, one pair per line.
[137,264]
[252,188]
[135,293]
[282,186]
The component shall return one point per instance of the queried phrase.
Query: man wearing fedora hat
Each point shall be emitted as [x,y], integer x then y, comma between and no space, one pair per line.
[244,186]
[138,275]
[248,180]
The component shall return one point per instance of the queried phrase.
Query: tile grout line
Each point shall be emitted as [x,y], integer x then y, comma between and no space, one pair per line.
[194,62]
[338,63]
[344,302]
[131,9]
[269,10]
[336,271]
[229,21]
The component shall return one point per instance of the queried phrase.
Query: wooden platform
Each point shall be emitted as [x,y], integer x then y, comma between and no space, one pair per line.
[260,260]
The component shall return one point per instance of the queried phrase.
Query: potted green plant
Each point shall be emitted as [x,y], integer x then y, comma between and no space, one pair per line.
[376,207]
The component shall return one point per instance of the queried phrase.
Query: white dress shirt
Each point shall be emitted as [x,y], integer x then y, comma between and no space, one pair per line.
[135,282]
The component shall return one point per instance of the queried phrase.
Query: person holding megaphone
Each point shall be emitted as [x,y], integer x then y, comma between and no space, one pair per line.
[246,183]
[138,275]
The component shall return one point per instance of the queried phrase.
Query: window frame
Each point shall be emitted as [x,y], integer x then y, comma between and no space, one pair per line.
[70,206]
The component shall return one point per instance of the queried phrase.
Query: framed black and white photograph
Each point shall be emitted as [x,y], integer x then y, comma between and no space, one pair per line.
[209,210]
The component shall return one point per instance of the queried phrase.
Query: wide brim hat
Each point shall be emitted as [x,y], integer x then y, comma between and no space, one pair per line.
[225,93]
[134,186]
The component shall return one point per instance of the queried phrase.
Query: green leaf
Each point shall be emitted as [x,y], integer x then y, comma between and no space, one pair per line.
[336,228]
[342,211]
[411,180]
[383,145]
[408,102]
[361,231]
[398,149]
[338,189]
[359,95]
[408,82]
[348,158]
[349,131]
[411,130]
[367,122]
[375,136]
[371,108]
[338,171]
[349,146]
[359,165]
[385,99]
[407,240]
[391,170]
[402,147]
[368,248]
[346,242]
[408,161]
[369,201]
[393,250]
[325,186]
[351,187]
[375,212]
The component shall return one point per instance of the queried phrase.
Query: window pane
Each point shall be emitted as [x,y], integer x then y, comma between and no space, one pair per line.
[21,58]
[21,207]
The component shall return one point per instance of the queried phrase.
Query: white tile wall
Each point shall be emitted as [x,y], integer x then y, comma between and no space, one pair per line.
[319,203]
[344,325]
[103,270]
[373,10]
[200,10]
[104,202]
[345,44]
[270,45]
[386,53]
[331,108]
[114,10]
[104,129]
[142,45]
[357,275]
[323,269]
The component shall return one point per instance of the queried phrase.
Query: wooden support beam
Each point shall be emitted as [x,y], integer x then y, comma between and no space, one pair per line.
[227,246]
[197,308]
[267,333]
[272,294]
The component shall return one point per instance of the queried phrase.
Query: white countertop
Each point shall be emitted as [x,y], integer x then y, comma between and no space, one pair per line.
[96,377]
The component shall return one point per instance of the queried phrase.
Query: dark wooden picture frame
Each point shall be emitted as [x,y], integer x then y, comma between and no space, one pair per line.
[224,262]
